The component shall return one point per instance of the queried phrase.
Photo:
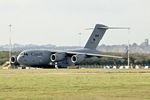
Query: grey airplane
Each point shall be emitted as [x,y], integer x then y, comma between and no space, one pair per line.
[46,58]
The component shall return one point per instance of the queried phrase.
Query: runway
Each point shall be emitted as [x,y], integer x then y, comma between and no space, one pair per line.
[70,71]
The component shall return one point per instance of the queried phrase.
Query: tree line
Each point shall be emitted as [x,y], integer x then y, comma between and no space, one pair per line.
[135,59]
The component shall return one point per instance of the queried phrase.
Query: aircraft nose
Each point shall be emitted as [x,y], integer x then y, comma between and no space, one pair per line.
[20,59]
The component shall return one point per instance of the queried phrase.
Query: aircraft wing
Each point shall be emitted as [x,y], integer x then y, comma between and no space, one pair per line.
[94,55]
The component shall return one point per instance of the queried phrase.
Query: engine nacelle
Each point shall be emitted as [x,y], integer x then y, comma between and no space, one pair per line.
[13,59]
[76,59]
[57,57]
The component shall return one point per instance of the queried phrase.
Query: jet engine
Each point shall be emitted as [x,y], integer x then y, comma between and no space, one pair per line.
[76,59]
[13,59]
[57,57]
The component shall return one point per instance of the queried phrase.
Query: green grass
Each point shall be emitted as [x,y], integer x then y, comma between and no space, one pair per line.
[75,84]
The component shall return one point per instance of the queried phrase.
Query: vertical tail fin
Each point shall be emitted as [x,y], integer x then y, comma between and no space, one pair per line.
[96,36]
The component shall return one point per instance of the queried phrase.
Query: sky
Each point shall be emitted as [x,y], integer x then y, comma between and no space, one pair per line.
[59,22]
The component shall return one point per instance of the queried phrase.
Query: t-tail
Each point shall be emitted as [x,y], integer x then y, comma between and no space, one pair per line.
[96,36]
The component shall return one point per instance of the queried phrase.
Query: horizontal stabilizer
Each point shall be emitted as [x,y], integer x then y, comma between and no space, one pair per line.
[114,28]
[109,28]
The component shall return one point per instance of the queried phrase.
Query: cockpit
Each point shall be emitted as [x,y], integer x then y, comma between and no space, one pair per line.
[24,54]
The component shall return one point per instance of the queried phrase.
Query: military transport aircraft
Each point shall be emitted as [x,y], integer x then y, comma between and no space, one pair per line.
[45,58]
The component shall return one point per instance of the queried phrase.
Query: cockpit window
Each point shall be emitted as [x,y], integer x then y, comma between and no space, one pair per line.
[24,54]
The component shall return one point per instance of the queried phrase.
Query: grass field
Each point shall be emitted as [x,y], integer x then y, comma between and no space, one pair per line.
[75,84]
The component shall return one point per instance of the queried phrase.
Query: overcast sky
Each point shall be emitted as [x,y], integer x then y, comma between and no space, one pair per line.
[58,22]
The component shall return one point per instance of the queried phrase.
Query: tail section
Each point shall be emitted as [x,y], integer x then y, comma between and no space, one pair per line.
[96,36]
